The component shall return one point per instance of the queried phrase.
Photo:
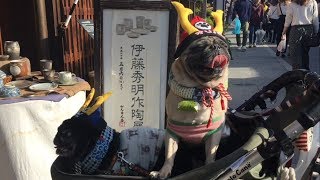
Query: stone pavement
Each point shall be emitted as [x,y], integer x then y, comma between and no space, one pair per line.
[251,70]
[314,56]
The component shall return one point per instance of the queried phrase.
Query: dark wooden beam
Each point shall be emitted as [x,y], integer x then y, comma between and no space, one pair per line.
[42,44]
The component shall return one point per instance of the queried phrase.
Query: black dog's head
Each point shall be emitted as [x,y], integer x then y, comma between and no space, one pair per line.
[77,136]
[205,55]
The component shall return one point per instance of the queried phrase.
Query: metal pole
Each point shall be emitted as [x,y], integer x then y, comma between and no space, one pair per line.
[220,5]
[70,14]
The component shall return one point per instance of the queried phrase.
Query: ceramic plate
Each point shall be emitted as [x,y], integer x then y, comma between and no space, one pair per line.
[43,86]
[75,81]
[21,84]
[133,35]
[140,31]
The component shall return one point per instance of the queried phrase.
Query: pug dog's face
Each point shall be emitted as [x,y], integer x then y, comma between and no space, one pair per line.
[75,137]
[206,58]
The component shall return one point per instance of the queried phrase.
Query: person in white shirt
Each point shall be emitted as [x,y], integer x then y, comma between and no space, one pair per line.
[319,13]
[282,11]
[273,17]
[302,15]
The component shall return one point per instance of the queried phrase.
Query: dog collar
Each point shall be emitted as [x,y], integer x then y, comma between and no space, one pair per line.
[188,92]
[93,160]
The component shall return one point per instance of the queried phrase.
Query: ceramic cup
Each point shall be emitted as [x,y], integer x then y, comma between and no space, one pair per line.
[48,74]
[9,91]
[45,64]
[128,22]
[147,22]
[120,29]
[140,21]
[66,77]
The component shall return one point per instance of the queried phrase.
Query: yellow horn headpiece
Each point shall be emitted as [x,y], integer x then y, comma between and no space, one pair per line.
[217,16]
[88,100]
[99,100]
[183,16]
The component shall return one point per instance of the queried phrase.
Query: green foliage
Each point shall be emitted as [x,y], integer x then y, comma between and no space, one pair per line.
[197,10]
[209,18]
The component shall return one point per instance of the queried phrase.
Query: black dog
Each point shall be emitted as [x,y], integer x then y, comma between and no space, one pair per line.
[77,137]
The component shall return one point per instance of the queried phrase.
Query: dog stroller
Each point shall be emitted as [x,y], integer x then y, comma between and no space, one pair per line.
[256,137]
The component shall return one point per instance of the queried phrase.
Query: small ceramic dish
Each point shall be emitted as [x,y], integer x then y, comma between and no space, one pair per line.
[4,57]
[43,86]
[133,35]
[71,83]
[153,28]
[140,31]
[21,84]
[9,91]
[2,75]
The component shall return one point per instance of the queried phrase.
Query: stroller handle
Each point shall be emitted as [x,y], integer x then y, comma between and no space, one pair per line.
[213,170]
[308,115]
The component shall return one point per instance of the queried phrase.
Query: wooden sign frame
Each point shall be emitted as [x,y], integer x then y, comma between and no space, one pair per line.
[131,5]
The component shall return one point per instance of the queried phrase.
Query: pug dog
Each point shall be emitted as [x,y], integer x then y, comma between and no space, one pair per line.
[198,80]
[89,146]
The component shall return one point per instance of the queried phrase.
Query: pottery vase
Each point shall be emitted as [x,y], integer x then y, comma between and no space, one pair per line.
[12,48]
[18,68]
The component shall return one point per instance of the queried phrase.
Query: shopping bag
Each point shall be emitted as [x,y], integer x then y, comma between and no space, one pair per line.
[260,33]
[237,26]
[282,45]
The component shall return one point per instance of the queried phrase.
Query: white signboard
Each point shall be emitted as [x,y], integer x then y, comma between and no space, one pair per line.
[135,52]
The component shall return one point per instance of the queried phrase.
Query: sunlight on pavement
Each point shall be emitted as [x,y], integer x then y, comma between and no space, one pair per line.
[246,72]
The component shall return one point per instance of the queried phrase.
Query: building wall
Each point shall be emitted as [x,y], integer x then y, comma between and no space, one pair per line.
[18,24]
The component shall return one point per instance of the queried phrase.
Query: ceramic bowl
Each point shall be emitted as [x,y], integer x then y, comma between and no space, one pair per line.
[9,91]
[4,57]
[2,75]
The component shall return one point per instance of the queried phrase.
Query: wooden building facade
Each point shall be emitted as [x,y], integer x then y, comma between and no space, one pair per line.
[36,25]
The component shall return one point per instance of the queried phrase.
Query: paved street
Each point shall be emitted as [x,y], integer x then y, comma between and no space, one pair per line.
[255,68]
[251,70]
[314,57]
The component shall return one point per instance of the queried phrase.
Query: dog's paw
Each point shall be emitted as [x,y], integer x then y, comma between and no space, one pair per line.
[154,175]
[165,171]
[287,174]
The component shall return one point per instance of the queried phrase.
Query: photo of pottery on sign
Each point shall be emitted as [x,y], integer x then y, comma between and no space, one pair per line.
[143,26]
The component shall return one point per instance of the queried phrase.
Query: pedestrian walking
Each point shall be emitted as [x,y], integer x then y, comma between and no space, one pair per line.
[273,18]
[304,20]
[242,10]
[318,1]
[266,24]
[256,19]
[282,11]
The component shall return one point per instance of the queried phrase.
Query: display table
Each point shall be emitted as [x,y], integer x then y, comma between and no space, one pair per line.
[27,129]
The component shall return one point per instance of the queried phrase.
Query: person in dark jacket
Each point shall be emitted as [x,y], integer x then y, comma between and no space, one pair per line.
[242,9]
[256,19]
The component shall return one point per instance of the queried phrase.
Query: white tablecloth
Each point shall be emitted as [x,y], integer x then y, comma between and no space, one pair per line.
[27,130]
